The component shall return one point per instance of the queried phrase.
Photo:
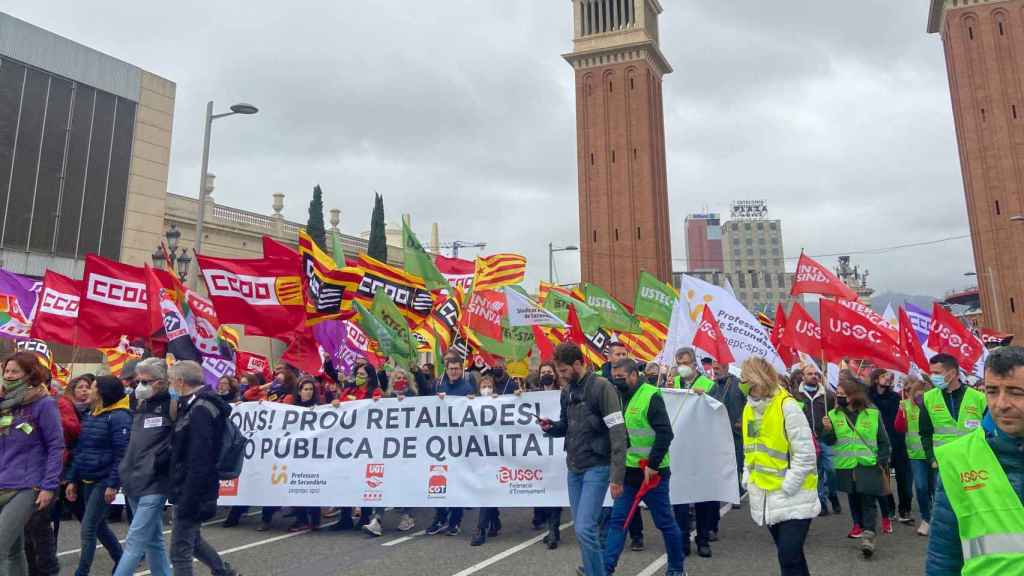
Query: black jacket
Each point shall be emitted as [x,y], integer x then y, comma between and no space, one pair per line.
[592,424]
[195,447]
[888,404]
[727,391]
[146,466]
[862,479]
[657,417]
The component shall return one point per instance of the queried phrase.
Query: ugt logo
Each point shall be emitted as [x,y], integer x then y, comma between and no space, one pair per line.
[374,475]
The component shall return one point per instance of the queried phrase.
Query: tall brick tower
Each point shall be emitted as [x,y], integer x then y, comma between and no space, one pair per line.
[984,45]
[620,137]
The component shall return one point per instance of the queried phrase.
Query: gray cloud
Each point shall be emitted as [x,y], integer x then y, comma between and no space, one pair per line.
[462,112]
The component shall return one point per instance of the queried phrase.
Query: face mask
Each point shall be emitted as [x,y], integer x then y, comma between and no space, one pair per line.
[360,379]
[685,371]
[547,380]
[143,392]
[809,389]
[758,403]
[498,373]
[486,391]
[842,402]
[620,383]
[173,392]
[939,381]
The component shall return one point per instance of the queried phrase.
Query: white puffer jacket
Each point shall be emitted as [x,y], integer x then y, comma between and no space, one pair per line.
[789,503]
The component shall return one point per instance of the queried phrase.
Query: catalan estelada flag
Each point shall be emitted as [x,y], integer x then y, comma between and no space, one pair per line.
[499,270]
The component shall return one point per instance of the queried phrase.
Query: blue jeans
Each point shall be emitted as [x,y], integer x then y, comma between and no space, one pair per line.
[145,537]
[924,485]
[586,495]
[826,475]
[661,511]
[94,525]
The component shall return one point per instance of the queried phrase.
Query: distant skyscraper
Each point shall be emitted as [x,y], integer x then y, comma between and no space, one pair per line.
[620,138]
[984,44]
[704,243]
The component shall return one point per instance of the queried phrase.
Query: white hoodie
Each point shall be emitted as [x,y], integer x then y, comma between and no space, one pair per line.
[789,503]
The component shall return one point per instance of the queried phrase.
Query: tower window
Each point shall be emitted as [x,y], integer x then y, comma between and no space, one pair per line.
[634,153]
[998,212]
[1013,306]
[591,158]
[1000,28]
[613,156]
[1013,108]
[632,84]
[637,232]
[616,234]
[970,32]
[595,235]
[982,114]
[611,87]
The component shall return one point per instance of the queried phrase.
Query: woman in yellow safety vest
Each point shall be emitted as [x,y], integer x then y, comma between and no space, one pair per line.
[780,467]
[861,453]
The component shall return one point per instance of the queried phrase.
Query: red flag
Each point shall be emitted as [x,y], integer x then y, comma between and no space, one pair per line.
[303,352]
[248,363]
[56,317]
[710,339]
[802,333]
[575,333]
[847,334]
[778,334]
[874,317]
[547,351]
[950,336]
[484,311]
[274,249]
[646,487]
[114,302]
[909,343]
[813,278]
[264,295]
[458,272]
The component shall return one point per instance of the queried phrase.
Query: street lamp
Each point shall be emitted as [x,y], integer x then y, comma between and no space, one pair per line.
[551,258]
[992,292]
[178,259]
[240,108]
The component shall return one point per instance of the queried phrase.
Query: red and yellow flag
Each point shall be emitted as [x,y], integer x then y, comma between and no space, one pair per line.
[648,344]
[499,270]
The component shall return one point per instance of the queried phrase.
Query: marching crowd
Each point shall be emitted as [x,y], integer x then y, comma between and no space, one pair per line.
[157,433]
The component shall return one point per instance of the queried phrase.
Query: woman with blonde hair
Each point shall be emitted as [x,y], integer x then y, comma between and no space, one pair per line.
[780,466]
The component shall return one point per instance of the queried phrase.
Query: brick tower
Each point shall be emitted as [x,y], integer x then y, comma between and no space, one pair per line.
[620,136]
[984,41]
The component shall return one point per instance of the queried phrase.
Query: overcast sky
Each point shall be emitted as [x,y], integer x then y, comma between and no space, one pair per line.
[462,112]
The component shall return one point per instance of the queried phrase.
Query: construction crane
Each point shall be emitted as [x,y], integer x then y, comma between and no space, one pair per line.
[454,246]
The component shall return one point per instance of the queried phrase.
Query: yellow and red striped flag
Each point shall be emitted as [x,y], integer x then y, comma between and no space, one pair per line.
[648,344]
[498,271]
[116,359]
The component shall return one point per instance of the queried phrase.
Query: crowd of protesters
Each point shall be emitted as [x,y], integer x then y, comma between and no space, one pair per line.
[150,433]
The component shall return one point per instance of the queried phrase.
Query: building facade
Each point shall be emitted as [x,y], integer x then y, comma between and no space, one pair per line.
[704,243]
[983,42]
[623,192]
[755,262]
[85,143]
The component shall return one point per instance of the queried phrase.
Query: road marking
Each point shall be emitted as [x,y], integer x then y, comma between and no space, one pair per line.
[398,541]
[663,559]
[250,545]
[166,532]
[502,555]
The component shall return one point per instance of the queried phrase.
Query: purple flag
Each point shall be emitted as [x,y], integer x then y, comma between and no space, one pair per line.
[921,321]
[214,368]
[330,335]
[23,288]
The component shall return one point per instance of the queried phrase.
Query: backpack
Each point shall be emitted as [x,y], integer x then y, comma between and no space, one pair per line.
[232,447]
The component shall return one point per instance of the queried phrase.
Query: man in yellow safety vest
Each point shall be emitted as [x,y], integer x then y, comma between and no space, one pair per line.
[977,526]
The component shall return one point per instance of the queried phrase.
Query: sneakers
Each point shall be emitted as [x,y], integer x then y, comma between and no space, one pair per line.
[298,527]
[905,518]
[263,527]
[406,523]
[637,545]
[867,544]
[436,528]
[479,538]
[703,550]
[713,536]
[373,527]
[551,539]
[922,530]
[453,530]
[887,525]
[494,529]
[855,532]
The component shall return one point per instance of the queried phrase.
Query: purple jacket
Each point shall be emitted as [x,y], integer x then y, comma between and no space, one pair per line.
[33,460]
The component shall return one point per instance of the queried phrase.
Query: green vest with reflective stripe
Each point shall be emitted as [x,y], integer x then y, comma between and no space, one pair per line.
[972,410]
[641,435]
[701,383]
[988,511]
[915,448]
[855,447]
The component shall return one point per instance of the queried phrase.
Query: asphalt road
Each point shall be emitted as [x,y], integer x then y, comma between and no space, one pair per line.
[743,548]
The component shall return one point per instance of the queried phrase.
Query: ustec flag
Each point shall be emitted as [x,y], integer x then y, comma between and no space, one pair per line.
[114,302]
[848,334]
[813,278]
[499,270]
[264,295]
[57,314]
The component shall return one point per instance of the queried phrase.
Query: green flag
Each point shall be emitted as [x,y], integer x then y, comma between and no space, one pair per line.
[614,315]
[337,250]
[654,299]
[385,324]
[558,303]
[515,345]
[419,263]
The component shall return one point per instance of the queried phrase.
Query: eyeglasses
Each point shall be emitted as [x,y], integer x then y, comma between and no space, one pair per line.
[141,381]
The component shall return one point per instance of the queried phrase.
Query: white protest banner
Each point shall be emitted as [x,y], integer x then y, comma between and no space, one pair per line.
[429,452]
[525,312]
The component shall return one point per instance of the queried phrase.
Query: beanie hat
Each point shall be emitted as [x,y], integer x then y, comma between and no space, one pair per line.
[110,388]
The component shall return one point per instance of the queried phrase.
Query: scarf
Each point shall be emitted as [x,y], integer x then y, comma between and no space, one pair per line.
[16,395]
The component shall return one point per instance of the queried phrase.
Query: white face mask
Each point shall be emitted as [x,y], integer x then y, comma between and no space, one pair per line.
[486,391]
[685,371]
[759,403]
[143,392]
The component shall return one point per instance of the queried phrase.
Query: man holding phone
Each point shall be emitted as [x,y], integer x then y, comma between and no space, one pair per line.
[592,424]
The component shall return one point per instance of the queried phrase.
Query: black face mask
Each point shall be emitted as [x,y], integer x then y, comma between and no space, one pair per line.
[620,383]
[842,402]
[547,380]
[498,373]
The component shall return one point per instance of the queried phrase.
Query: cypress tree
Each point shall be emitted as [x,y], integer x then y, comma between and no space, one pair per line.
[315,224]
[378,244]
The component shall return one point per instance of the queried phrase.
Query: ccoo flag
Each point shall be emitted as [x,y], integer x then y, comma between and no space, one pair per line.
[327,290]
